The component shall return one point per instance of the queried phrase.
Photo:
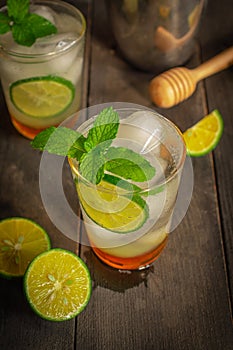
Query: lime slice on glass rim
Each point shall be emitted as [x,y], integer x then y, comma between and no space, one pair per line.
[110,206]
[57,285]
[204,136]
[42,97]
[21,240]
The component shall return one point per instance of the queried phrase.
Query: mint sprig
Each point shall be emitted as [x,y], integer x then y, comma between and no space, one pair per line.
[104,129]
[26,27]
[94,152]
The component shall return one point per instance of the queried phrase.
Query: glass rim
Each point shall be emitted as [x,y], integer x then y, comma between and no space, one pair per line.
[74,163]
[47,55]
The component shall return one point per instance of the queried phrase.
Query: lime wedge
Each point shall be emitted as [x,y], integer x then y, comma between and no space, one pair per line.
[42,97]
[204,136]
[57,285]
[111,207]
[21,240]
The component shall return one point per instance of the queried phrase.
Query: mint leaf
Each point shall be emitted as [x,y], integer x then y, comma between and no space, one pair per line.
[56,140]
[77,150]
[4,23]
[41,139]
[22,34]
[18,9]
[130,187]
[128,164]
[40,26]
[92,165]
[104,129]
[61,141]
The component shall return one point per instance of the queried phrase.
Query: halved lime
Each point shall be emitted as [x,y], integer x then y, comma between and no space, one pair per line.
[57,285]
[42,97]
[21,240]
[111,207]
[204,136]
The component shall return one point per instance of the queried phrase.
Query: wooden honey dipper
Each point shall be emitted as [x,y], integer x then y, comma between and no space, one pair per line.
[177,84]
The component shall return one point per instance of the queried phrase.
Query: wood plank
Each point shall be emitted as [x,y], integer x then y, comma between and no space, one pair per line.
[219,93]
[20,195]
[181,302]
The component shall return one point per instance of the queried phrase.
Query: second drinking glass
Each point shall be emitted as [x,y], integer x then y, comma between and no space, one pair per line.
[42,83]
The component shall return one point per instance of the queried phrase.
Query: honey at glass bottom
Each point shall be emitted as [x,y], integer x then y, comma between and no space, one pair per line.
[24,130]
[132,263]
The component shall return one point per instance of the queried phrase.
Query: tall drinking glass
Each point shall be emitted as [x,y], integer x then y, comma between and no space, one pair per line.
[128,223]
[42,83]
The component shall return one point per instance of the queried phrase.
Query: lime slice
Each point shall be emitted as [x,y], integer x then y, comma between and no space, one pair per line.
[42,97]
[57,285]
[21,240]
[204,136]
[111,207]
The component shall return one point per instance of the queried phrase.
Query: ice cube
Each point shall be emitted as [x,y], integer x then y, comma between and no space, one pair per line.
[62,46]
[150,129]
[75,71]
[55,43]
[65,21]
[44,11]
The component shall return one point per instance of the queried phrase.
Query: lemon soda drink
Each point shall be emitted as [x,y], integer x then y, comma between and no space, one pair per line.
[41,62]
[126,164]
[127,181]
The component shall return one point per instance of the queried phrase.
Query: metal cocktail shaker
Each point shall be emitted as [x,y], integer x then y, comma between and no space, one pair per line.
[155,35]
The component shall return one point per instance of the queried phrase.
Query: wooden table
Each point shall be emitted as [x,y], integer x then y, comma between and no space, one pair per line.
[184,301]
